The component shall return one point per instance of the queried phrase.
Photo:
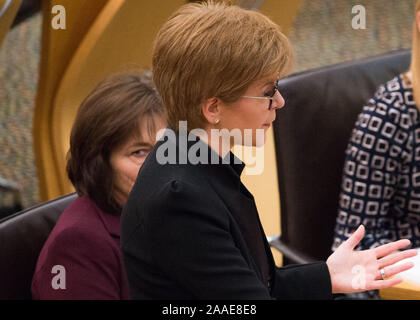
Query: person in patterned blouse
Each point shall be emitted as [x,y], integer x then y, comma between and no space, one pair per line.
[381,177]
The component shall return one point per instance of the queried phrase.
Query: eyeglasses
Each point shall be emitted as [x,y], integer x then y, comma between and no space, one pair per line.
[268,95]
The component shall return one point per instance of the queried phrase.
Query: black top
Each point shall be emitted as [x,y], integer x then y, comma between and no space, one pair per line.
[192,231]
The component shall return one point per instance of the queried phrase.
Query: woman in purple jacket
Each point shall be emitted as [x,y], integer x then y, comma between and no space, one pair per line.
[114,131]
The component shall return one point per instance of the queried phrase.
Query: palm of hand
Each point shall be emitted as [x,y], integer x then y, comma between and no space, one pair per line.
[355,271]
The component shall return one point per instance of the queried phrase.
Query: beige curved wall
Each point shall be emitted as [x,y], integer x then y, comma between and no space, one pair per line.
[57,49]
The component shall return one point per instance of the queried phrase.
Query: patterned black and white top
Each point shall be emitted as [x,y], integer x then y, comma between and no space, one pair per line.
[381,177]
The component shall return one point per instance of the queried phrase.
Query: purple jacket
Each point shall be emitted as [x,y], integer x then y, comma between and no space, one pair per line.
[81,258]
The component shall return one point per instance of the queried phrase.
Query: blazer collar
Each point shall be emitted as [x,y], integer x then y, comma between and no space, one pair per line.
[229,164]
[235,163]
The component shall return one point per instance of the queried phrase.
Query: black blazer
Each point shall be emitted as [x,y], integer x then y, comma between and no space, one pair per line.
[191,231]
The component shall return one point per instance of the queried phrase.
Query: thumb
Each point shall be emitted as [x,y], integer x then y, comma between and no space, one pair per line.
[356,237]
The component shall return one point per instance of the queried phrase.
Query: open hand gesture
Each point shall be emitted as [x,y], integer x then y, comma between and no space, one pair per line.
[355,271]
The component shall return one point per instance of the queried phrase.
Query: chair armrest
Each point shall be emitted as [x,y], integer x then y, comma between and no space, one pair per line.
[289,252]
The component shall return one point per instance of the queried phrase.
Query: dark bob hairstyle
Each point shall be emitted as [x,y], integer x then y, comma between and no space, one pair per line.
[106,119]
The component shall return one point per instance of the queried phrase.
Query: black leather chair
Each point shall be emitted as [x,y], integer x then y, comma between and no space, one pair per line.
[22,236]
[311,134]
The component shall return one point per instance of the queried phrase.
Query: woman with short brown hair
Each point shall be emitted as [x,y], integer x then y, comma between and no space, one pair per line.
[114,130]
[190,228]
[218,57]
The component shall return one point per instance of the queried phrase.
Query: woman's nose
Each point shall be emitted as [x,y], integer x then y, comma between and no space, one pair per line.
[278,101]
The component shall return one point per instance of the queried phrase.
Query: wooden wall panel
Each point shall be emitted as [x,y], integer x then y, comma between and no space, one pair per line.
[57,49]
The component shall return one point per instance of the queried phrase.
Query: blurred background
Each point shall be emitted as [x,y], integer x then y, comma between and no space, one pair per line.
[45,73]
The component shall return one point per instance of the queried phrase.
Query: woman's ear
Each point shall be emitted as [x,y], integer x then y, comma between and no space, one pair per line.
[211,109]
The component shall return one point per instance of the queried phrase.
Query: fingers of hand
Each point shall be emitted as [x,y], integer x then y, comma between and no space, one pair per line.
[396,257]
[378,285]
[356,237]
[393,270]
[388,248]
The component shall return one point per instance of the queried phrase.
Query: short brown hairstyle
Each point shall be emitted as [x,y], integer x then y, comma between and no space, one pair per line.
[106,119]
[210,50]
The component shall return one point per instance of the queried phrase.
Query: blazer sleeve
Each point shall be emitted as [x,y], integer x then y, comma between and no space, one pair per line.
[90,268]
[192,242]
[304,282]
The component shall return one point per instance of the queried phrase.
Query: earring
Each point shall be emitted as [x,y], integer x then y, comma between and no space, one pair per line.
[217,121]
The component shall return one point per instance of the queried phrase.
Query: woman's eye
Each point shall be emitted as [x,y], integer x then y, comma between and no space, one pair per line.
[140,153]
[269,93]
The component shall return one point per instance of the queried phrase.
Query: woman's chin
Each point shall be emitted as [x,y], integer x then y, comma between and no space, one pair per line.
[259,144]
[256,142]
[260,138]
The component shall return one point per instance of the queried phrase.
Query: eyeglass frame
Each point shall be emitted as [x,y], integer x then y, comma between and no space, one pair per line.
[270,106]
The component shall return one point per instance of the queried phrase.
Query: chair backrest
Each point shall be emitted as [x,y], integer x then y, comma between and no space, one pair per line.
[311,134]
[22,236]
